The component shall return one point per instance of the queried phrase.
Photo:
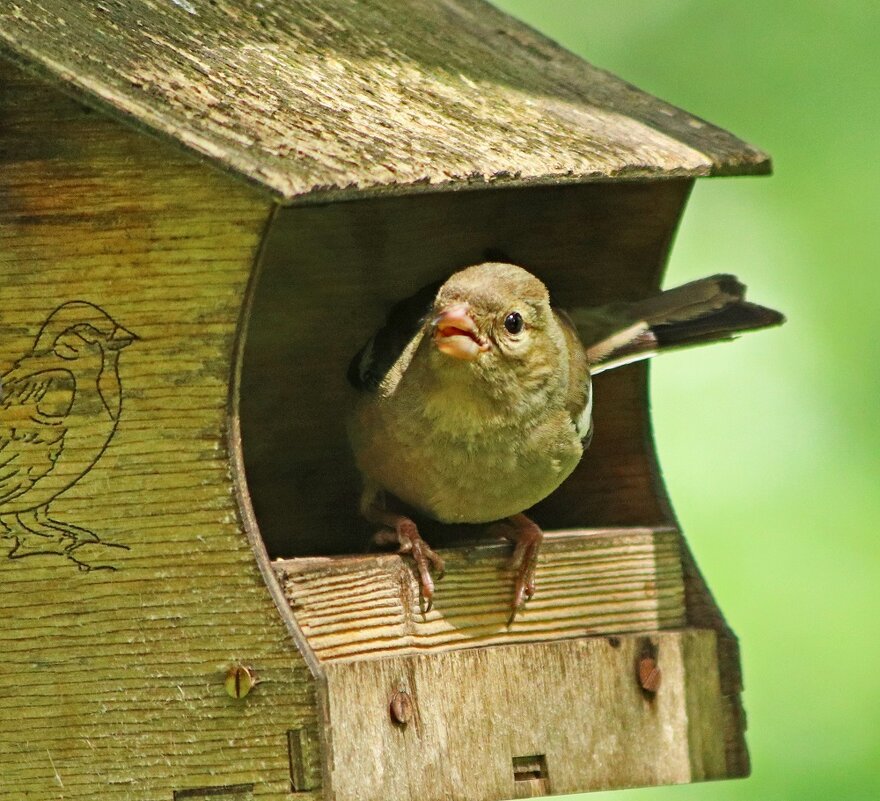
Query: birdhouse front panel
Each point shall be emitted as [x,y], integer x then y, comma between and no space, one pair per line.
[128,588]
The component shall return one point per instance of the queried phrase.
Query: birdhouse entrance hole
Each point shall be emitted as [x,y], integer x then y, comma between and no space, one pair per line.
[328,276]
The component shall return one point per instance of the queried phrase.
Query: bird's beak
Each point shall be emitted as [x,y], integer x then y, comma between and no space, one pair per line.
[121,338]
[456,333]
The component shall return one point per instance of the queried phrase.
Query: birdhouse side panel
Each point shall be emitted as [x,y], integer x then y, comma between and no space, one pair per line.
[127,586]
[704,613]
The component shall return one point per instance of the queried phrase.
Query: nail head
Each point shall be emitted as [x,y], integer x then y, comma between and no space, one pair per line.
[649,674]
[401,707]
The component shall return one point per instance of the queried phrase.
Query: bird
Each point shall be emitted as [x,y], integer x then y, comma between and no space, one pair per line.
[59,408]
[474,399]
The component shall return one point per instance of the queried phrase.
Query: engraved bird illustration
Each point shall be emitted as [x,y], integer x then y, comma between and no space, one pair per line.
[59,409]
[475,399]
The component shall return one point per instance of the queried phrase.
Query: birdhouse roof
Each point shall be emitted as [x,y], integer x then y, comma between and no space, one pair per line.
[319,98]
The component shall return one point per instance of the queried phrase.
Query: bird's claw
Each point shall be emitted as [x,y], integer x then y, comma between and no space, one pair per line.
[524,586]
[406,536]
[528,537]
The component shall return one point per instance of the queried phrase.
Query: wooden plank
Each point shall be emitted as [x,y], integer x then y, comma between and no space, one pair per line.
[115,652]
[344,99]
[588,583]
[575,704]
[703,611]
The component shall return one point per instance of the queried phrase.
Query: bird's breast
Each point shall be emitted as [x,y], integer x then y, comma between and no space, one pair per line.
[465,474]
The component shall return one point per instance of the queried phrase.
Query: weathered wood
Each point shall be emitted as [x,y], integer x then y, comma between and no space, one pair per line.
[329,275]
[115,651]
[333,97]
[576,703]
[599,582]
[703,612]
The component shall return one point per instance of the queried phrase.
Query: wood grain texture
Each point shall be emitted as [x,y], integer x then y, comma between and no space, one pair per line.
[703,612]
[600,582]
[115,650]
[329,275]
[329,97]
[575,702]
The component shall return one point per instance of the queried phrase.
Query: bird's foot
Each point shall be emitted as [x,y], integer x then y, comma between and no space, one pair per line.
[95,555]
[527,536]
[77,535]
[403,532]
[30,543]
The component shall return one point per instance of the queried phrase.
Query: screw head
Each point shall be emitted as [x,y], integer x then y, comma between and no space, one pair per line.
[649,674]
[401,707]
[240,680]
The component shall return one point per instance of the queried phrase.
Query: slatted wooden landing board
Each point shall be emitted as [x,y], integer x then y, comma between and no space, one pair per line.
[589,582]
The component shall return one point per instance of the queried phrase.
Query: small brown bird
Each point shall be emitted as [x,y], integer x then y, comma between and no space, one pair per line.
[476,403]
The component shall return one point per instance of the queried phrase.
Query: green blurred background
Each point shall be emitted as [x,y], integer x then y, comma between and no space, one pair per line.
[771,447]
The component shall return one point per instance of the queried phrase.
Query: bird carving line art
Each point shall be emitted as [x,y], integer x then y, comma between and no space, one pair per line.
[475,399]
[59,408]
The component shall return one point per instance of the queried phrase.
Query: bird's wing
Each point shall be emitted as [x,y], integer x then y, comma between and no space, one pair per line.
[708,310]
[371,364]
[579,399]
[33,407]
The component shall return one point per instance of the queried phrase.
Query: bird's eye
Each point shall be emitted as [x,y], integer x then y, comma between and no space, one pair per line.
[514,323]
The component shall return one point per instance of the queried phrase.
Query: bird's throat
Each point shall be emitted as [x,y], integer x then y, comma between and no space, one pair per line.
[109,386]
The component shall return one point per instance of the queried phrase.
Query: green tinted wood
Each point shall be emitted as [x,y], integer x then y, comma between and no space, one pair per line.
[127,584]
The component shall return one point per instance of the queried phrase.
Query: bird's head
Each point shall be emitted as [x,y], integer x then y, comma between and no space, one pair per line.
[494,322]
[77,328]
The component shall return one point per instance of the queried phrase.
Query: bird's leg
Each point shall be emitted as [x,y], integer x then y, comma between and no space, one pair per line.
[78,534]
[400,530]
[42,534]
[32,538]
[527,536]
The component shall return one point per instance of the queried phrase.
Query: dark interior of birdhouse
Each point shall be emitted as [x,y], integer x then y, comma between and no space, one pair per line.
[329,274]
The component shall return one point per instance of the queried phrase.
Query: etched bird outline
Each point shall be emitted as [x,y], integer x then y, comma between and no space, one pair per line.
[59,408]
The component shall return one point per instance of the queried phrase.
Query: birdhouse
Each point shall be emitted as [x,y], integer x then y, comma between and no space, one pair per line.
[205,209]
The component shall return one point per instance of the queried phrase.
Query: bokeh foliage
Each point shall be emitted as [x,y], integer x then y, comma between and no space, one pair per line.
[771,446]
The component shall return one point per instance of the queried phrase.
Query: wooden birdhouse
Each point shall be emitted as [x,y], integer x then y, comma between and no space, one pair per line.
[205,208]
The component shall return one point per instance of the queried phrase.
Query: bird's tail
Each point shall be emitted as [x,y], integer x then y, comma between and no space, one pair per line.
[708,310]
